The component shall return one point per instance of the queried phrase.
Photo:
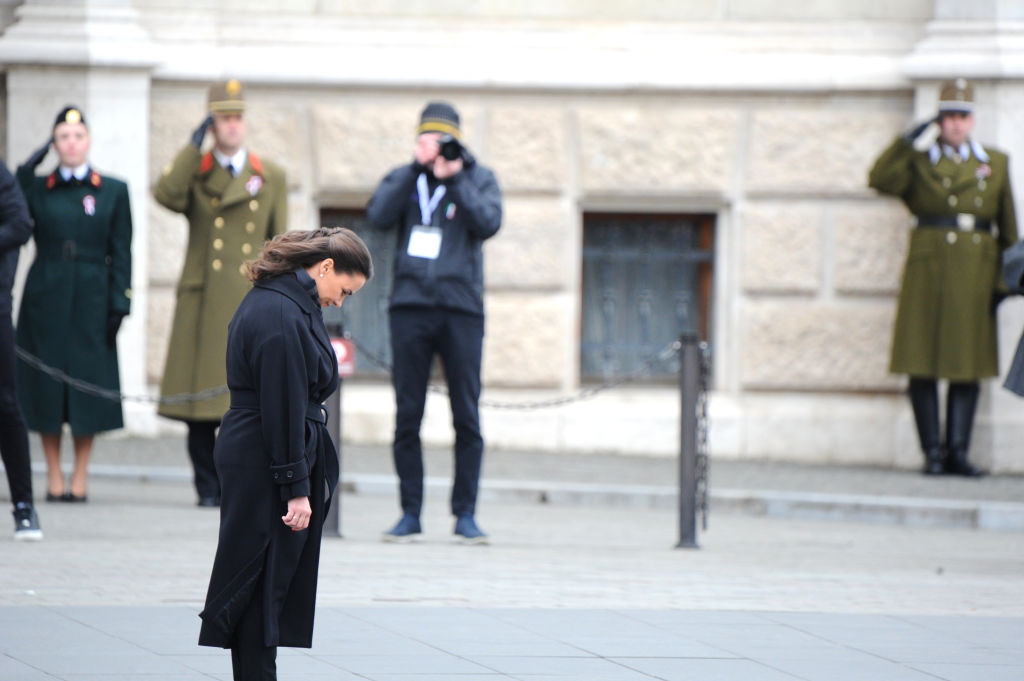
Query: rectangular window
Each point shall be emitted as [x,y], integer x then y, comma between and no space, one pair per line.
[365,315]
[646,281]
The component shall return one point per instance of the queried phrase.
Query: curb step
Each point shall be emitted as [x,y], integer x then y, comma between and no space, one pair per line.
[892,510]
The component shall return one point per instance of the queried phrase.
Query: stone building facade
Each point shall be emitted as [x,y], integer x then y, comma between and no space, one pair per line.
[765,116]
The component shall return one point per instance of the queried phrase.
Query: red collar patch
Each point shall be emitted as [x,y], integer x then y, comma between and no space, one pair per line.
[254,161]
[206,165]
[51,181]
[95,180]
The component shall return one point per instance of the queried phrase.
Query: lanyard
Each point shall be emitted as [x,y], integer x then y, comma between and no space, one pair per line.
[427,206]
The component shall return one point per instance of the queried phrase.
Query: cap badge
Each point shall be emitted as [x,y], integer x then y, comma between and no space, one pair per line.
[73,116]
[233,87]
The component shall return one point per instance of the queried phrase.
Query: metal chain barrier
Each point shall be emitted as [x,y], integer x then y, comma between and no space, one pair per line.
[114,395]
[585,393]
[703,458]
[181,398]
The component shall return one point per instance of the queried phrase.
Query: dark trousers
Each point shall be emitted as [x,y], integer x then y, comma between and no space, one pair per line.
[201,438]
[417,335]
[250,659]
[13,433]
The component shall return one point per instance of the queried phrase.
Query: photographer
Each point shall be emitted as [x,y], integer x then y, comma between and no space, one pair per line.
[443,205]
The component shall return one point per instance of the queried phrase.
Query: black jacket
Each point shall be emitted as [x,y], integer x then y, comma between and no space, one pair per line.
[273,445]
[15,230]
[469,213]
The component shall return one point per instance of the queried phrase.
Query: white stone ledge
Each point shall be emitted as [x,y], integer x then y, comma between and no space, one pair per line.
[524,55]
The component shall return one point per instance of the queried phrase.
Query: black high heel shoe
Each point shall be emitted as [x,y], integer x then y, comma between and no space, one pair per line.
[51,497]
[74,498]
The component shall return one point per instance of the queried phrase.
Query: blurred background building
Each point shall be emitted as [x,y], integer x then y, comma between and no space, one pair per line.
[668,167]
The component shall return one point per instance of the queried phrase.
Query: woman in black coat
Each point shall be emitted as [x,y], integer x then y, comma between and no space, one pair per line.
[274,457]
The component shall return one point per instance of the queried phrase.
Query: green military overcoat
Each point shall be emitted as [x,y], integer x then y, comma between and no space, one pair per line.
[230,218]
[81,274]
[945,322]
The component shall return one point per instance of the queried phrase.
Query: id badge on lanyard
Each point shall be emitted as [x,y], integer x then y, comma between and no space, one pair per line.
[425,239]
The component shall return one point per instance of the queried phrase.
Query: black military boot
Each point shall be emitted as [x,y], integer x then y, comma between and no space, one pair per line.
[961,404]
[924,398]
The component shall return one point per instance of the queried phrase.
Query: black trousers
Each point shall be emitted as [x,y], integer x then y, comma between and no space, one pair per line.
[417,335]
[250,659]
[13,433]
[201,438]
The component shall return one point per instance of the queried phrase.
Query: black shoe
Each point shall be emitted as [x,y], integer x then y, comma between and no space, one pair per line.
[933,464]
[74,498]
[51,497]
[208,502]
[26,523]
[957,464]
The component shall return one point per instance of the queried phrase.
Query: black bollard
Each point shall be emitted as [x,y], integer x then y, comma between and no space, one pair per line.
[689,389]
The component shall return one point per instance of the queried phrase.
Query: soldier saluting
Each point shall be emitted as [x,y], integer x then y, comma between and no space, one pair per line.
[945,327]
[234,202]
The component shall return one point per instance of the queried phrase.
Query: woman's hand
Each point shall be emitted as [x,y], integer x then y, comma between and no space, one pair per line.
[298,514]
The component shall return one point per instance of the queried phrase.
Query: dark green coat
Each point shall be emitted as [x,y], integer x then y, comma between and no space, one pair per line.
[81,273]
[229,220]
[945,324]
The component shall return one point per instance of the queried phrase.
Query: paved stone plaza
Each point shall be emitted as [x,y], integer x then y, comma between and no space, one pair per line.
[582,590]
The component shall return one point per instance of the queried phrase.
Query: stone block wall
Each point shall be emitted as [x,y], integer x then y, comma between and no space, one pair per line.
[817,259]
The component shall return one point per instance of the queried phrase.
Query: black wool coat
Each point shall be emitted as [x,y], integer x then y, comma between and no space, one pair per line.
[273,446]
[15,230]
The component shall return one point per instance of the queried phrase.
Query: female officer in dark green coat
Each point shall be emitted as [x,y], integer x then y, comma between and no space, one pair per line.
[77,292]
[960,193]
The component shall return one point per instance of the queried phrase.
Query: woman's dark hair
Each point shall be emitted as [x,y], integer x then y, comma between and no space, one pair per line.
[300,249]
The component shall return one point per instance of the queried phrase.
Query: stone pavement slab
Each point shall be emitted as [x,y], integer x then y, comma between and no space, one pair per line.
[595,593]
[585,644]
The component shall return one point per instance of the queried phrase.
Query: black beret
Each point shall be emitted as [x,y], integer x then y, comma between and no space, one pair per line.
[69,114]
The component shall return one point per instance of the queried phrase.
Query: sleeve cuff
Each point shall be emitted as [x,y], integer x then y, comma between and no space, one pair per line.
[290,473]
[299,489]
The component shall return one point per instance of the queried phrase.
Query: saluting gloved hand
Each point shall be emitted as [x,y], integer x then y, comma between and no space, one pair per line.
[39,154]
[114,320]
[200,133]
[923,135]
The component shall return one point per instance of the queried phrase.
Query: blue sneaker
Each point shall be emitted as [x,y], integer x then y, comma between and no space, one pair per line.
[466,531]
[406,530]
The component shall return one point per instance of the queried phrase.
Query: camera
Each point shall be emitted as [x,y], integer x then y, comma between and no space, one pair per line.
[451,148]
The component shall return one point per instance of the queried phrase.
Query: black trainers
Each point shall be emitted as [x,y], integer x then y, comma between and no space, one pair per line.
[406,530]
[26,523]
[467,532]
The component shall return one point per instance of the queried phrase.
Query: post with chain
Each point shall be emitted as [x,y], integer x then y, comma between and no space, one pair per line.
[335,329]
[689,390]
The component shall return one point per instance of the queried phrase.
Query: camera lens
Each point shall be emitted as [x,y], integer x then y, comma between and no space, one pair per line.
[450,148]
